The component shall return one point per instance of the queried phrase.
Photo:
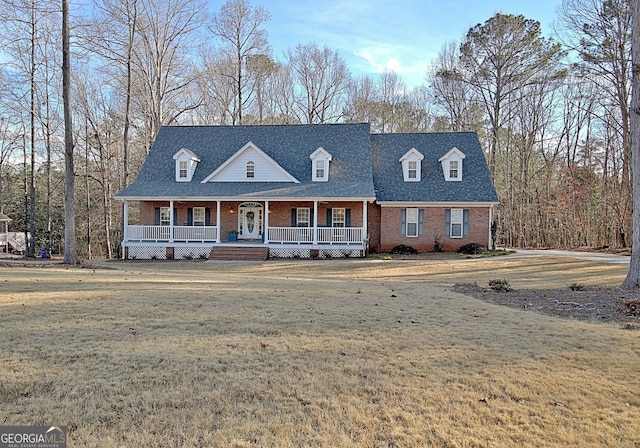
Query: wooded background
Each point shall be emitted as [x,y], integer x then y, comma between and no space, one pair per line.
[552,111]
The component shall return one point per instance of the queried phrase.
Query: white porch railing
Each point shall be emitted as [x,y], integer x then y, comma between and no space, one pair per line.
[290,235]
[163,233]
[326,235]
[340,235]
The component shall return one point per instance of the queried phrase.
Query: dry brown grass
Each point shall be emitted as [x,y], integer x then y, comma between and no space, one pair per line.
[310,354]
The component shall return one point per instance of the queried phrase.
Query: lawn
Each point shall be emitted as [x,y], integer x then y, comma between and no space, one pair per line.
[351,353]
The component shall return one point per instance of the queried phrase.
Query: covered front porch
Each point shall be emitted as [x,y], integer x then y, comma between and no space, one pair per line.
[177,229]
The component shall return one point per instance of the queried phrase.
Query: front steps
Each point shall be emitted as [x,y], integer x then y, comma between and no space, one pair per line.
[239,253]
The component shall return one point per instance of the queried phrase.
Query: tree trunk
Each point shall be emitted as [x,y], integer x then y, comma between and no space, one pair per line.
[633,276]
[70,249]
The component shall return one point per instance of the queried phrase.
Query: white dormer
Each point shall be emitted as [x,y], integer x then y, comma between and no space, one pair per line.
[412,165]
[452,165]
[186,162]
[320,165]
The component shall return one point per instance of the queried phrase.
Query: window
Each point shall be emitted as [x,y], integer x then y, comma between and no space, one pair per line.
[412,222]
[183,169]
[198,216]
[411,165]
[186,162]
[303,217]
[338,217]
[319,169]
[456,223]
[452,165]
[453,169]
[320,165]
[251,170]
[413,169]
[165,217]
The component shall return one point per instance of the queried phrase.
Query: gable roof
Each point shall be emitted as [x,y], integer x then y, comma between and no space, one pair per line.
[388,149]
[288,145]
[281,173]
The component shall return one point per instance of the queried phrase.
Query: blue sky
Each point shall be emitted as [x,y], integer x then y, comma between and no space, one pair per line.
[402,35]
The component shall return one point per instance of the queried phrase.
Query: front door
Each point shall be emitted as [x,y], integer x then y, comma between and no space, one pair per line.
[250,221]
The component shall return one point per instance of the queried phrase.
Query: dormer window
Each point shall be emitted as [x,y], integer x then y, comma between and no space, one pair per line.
[186,163]
[452,165]
[320,165]
[413,169]
[412,165]
[182,168]
[453,169]
[251,170]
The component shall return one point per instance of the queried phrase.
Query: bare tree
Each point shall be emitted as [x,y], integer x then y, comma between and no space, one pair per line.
[324,80]
[70,250]
[164,60]
[239,27]
[599,32]
[633,276]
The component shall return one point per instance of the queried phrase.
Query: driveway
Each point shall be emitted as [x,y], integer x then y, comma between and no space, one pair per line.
[602,258]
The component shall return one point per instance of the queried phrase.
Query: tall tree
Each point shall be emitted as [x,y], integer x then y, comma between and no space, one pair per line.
[599,33]
[323,78]
[239,26]
[70,249]
[500,57]
[633,276]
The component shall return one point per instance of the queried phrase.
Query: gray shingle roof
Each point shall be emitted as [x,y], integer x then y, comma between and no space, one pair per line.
[359,161]
[476,185]
[289,145]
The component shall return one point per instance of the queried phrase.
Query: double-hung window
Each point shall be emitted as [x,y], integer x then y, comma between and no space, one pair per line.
[165,216]
[412,222]
[338,217]
[453,169]
[182,169]
[413,169]
[457,217]
[198,216]
[303,217]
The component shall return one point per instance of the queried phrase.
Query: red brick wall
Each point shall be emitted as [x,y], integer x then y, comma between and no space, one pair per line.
[279,216]
[434,223]
[147,211]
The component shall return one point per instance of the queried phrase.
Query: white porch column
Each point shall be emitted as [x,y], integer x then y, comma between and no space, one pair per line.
[171,221]
[218,214]
[125,226]
[125,230]
[365,221]
[315,222]
[266,222]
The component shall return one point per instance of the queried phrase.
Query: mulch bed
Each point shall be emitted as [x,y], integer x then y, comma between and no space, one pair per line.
[608,305]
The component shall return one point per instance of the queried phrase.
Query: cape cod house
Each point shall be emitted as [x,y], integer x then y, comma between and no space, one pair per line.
[305,191]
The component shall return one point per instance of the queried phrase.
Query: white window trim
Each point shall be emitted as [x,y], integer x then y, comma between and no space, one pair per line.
[413,155]
[342,214]
[198,222]
[454,155]
[306,220]
[250,170]
[165,212]
[185,155]
[320,156]
[455,211]
[412,217]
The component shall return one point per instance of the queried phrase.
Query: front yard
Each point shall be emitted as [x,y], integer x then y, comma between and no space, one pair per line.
[349,353]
